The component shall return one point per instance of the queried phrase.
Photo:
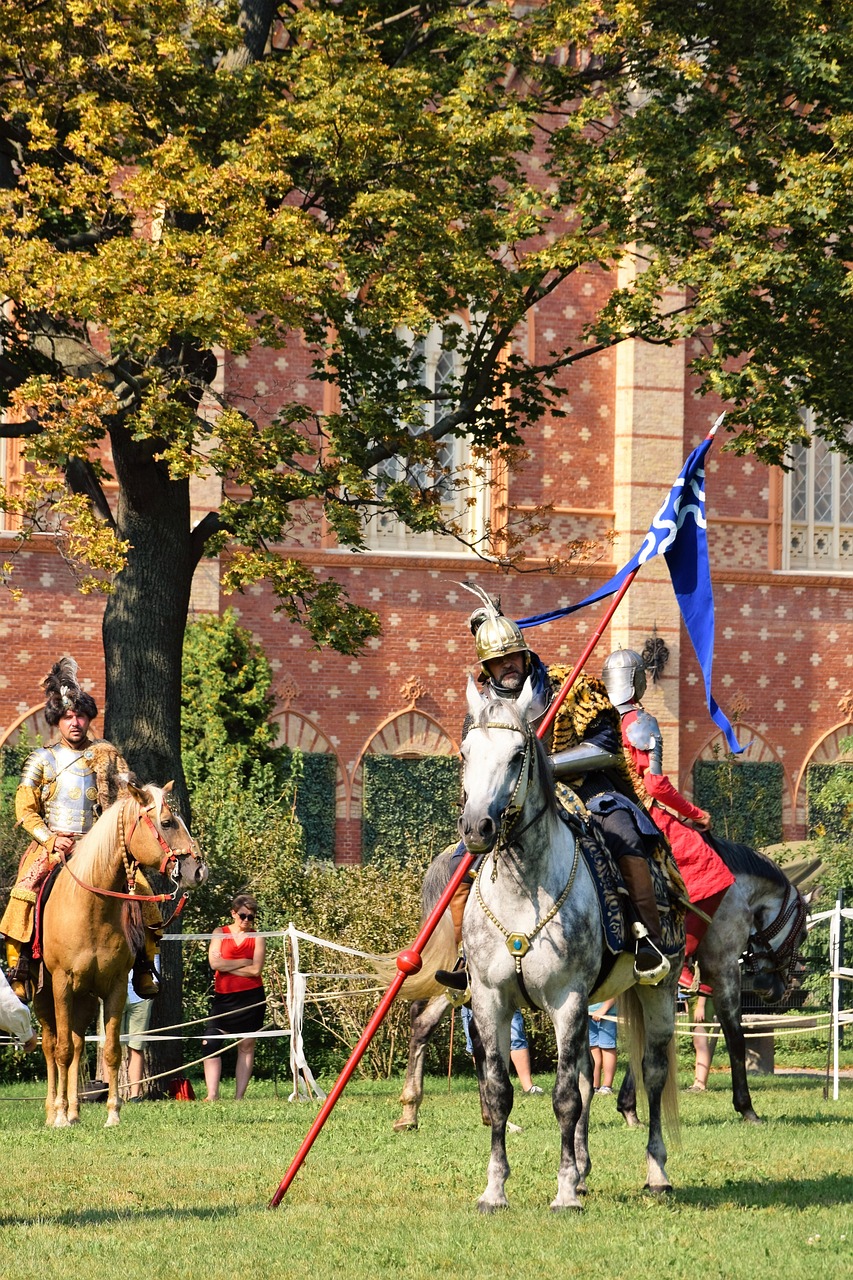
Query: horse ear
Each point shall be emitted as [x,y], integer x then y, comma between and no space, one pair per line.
[168,787]
[474,699]
[138,793]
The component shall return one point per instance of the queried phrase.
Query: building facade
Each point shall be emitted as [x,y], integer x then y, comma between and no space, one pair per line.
[781,549]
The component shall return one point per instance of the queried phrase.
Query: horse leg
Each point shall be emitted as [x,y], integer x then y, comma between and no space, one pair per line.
[727,1007]
[626,1103]
[571,1100]
[657,1016]
[479,1054]
[83,1012]
[113,1010]
[424,1017]
[498,1093]
[62,1048]
[43,1005]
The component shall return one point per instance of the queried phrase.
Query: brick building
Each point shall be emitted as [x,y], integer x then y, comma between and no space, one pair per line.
[781,549]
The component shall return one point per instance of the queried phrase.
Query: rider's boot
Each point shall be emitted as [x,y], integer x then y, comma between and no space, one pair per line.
[650,964]
[457,977]
[146,983]
[18,968]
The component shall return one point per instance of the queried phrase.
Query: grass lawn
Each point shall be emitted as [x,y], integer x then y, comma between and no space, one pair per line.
[180,1190]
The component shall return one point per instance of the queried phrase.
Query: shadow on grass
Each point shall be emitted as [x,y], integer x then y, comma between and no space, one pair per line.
[115,1217]
[834,1189]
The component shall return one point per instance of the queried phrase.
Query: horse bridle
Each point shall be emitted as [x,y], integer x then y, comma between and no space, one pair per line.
[781,958]
[168,864]
[518,944]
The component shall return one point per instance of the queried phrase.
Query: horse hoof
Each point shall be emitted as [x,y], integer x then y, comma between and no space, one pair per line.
[405,1126]
[749,1117]
[565,1208]
[657,1191]
[486,1206]
[112,1120]
[61,1122]
[631,1119]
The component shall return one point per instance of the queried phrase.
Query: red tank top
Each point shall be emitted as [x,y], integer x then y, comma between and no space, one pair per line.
[231,948]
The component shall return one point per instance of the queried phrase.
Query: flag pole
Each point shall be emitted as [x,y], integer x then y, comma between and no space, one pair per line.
[409,961]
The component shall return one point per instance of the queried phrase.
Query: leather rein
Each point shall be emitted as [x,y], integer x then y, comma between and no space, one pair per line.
[131,866]
[518,944]
[783,957]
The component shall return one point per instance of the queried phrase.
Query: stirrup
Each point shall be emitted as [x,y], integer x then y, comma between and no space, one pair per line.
[657,972]
[456,981]
[144,979]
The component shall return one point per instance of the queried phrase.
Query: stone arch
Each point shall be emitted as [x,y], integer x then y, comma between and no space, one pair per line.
[301,734]
[31,722]
[826,750]
[759,751]
[404,733]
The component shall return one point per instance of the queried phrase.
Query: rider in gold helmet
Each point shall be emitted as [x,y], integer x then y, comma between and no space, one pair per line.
[599,778]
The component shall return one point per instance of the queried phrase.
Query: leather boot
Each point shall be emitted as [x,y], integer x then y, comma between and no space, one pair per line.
[457,977]
[650,964]
[18,968]
[146,983]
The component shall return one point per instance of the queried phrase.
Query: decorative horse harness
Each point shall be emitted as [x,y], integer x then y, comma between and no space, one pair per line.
[780,959]
[518,944]
[169,864]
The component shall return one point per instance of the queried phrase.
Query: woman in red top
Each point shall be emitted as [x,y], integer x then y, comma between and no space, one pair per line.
[236,955]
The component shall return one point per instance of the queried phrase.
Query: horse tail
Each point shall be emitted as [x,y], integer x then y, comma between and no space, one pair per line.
[631,1011]
[132,926]
[440,952]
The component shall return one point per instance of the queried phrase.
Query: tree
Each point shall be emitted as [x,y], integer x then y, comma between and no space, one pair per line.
[193,176]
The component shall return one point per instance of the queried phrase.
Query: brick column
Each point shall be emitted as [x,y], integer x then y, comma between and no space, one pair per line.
[648,454]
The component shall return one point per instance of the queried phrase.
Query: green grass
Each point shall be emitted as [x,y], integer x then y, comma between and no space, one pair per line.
[180,1190]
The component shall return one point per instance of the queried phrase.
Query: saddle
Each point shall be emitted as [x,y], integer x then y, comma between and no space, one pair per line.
[44,893]
[612,894]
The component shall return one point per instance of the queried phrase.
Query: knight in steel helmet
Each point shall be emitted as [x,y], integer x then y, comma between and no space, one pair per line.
[624,676]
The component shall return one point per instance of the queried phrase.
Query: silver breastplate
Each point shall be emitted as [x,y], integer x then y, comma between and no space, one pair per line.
[68,787]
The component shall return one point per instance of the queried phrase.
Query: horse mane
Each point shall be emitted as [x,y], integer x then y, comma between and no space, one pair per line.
[501,710]
[95,853]
[742,859]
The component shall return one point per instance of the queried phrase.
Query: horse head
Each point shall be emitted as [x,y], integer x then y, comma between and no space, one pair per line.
[498,757]
[159,838]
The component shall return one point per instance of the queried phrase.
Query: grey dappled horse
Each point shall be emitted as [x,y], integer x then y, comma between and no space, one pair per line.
[532,934]
[763,915]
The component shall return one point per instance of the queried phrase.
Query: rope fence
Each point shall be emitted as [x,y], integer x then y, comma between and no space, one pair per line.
[288,1019]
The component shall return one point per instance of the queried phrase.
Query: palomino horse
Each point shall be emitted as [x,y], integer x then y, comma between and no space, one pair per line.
[91,930]
[762,917]
[532,934]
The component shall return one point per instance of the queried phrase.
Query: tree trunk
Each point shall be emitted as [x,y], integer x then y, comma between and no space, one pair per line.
[143,634]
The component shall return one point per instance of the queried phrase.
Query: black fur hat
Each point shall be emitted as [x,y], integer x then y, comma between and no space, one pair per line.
[64,693]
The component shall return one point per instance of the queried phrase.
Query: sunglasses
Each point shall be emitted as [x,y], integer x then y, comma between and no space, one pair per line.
[245,915]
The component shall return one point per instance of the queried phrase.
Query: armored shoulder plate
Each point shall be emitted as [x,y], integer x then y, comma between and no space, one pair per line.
[644,734]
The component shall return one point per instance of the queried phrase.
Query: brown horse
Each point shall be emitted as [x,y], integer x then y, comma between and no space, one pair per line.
[91,930]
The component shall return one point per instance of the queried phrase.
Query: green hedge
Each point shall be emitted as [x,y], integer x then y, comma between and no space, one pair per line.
[744,798]
[315,804]
[829,796]
[409,803]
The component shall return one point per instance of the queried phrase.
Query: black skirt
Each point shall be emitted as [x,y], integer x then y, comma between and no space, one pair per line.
[236,1012]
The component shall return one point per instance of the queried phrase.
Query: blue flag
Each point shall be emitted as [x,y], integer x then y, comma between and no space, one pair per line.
[678,533]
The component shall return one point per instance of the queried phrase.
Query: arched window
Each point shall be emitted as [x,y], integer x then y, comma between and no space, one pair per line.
[818,507]
[462,489]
